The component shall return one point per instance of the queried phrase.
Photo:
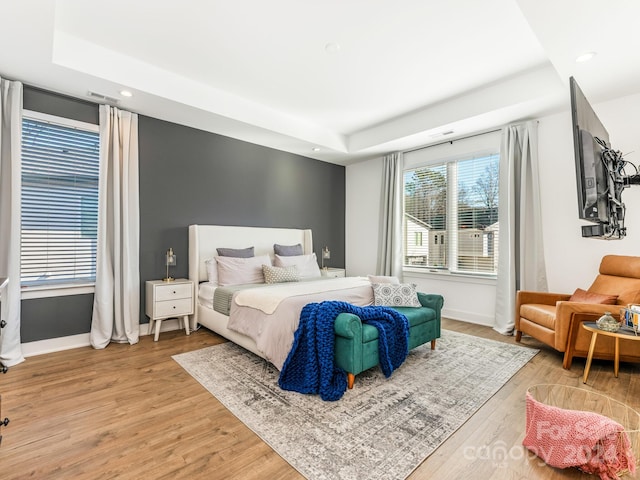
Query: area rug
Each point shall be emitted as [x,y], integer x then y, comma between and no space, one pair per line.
[382,428]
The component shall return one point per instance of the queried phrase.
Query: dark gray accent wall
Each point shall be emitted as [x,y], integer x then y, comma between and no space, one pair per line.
[191,176]
[42,101]
[55,317]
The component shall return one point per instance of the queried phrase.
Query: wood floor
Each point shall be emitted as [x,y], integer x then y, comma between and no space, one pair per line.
[131,412]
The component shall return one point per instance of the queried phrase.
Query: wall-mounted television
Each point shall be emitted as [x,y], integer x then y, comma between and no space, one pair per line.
[600,172]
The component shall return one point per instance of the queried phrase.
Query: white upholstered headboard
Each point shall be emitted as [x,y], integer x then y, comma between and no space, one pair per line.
[204,239]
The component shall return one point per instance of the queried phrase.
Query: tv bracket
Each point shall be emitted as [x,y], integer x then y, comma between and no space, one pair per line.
[618,180]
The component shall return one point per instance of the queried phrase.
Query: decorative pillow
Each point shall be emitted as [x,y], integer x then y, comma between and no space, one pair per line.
[237,270]
[307,264]
[582,296]
[280,274]
[236,252]
[390,295]
[212,270]
[383,279]
[288,250]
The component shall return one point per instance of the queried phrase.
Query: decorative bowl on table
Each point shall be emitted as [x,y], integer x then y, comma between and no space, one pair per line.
[608,323]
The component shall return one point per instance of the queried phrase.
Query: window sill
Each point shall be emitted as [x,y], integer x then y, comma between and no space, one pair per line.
[46,291]
[447,276]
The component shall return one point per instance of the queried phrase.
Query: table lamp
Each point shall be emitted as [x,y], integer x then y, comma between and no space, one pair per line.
[326,255]
[170,261]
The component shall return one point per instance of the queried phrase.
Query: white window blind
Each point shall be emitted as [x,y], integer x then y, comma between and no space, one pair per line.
[60,168]
[455,205]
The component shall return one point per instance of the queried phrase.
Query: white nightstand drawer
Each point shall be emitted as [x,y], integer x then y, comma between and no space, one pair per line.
[171,291]
[333,272]
[170,308]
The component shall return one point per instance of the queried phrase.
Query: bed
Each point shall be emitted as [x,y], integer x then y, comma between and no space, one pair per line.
[203,243]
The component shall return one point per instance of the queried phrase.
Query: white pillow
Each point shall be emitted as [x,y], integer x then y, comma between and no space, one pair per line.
[307,264]
[212,270]
[237,270]
[383,279]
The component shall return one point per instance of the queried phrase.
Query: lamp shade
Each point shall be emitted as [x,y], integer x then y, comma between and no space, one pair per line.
[326,255]
[170,258]
[170,261]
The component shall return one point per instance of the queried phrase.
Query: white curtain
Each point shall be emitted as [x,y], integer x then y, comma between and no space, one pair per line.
[390,246]
[116,305]
[521,264]
[10,188]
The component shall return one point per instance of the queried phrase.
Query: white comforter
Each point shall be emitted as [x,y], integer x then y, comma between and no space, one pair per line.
[270,315]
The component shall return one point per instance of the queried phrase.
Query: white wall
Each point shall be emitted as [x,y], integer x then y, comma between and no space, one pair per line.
[572,261]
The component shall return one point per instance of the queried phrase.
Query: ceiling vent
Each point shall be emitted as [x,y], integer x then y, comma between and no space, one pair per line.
[441,134]
[102,98]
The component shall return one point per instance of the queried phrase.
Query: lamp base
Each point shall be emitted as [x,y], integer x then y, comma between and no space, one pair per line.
[168,279]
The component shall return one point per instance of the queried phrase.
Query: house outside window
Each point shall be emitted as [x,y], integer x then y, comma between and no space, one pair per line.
[59,218]
[456,204]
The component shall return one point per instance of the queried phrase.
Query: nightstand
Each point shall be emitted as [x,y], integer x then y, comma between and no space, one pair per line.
[168,300]
[333,272]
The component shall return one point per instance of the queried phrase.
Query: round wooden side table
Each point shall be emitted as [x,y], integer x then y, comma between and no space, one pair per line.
[595,331]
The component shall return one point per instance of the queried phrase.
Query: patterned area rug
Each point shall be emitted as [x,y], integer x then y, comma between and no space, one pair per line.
[383,428]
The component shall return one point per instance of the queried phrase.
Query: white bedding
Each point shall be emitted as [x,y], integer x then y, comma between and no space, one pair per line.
[267,299]
[205,294]
[273,333]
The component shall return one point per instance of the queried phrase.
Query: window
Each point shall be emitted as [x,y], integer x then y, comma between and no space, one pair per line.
[419,239]
[60,168]
[455,205]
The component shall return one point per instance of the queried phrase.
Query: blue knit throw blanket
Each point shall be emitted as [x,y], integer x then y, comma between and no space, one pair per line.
[310,367]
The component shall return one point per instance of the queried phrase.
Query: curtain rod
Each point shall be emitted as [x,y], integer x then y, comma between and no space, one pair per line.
[453,140]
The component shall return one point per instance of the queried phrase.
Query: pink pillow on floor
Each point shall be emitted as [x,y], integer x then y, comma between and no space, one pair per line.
[572,438]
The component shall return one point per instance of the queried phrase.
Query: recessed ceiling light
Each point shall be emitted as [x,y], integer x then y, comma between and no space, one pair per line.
[126,93]
[332,47]
[585,57]
[316,149]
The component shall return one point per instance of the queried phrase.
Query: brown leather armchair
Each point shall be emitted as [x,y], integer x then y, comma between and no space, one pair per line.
[554,320]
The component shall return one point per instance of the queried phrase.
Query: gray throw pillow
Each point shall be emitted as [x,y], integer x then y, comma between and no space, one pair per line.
[287,250]
[236,252]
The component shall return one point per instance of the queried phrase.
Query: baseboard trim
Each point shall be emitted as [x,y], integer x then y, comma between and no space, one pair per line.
[59,344]
[469,317]
[50,345]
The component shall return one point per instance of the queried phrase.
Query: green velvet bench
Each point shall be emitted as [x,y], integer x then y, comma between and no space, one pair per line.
[356,344]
